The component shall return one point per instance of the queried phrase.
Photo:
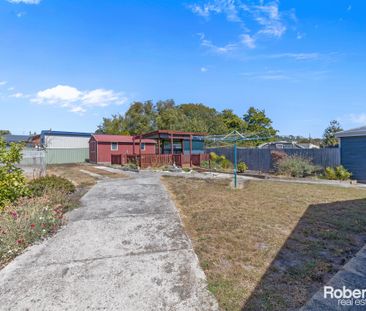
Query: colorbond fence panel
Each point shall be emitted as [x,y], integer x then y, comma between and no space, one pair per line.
[261,159]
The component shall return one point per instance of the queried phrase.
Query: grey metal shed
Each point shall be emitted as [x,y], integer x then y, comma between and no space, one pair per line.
[353,151]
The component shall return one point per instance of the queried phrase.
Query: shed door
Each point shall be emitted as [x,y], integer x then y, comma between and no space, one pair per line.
[116,159]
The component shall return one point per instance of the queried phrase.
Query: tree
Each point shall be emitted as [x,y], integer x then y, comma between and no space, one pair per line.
[258,123]
[203,119]
[141,118]
[329,139]
[172,119]
[232,121]
[4,132]
[115,125]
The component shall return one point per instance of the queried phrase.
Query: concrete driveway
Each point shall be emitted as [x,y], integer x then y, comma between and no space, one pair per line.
[124,249]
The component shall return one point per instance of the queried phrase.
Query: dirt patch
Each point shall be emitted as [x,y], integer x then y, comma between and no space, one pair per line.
[79,178]
[269,246]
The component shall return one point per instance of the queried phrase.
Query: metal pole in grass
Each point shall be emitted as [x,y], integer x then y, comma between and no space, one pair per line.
[235,167]
[233,138]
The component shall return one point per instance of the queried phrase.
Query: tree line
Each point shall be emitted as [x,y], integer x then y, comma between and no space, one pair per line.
[143,117]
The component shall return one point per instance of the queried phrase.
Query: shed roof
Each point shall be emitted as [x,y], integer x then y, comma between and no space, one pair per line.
[63,133]
[359,131]
[120,139]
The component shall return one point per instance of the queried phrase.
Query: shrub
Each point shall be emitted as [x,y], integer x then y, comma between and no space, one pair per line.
[330,173]
[242,167]
[296,166]
[342,173]
[337,173]
[217,162]
[39,186]
[278,156]
[213,156]
[12,179]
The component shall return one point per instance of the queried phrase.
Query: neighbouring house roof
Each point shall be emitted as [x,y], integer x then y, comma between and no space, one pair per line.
[120,139]
[9,138]
[359,131]
[63,133]
[309,146]
[287,143]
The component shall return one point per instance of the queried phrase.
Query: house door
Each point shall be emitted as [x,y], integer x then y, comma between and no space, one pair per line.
[116,159]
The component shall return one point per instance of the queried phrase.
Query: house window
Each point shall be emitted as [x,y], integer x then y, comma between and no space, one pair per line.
[114,146]
[142,146]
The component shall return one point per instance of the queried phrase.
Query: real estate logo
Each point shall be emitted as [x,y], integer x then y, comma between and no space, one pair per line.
[346,296]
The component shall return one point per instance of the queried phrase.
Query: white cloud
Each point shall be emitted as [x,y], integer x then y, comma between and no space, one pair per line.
[76,100]
[295,56]
[214,48]
[248,40]
[17,95]
[3,83]
[25,1]
[358,118]
[349,8]
[204,69]
[265,18]
[20,14]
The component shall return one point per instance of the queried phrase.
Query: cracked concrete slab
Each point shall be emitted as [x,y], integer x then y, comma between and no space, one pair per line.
[124,249]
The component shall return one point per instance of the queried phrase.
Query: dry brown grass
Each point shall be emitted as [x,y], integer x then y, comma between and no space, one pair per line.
[79,178]
[269,246]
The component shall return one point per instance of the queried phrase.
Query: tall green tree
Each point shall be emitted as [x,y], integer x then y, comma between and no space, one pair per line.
[172,119]
[141,118]
[115,125]
[258,123]
[232,121]
[203,119]
[329,139]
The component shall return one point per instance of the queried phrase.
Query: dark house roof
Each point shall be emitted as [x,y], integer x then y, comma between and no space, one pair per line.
[280,145]
[9,138]
[359,131]
[62,133]
[120,139]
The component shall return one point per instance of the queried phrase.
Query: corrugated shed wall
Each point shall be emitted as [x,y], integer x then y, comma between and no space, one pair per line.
[67,155]
[353,156]
[56,141]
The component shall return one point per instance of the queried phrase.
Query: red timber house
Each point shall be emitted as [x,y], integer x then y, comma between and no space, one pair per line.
[158,148]
[114,149]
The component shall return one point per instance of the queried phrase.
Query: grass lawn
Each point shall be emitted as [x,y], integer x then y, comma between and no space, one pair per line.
[269,245]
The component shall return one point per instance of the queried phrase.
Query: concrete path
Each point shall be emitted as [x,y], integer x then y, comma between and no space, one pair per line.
[125,249]
[352,276]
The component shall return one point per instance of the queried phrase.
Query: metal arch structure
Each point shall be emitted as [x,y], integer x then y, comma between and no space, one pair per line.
[233,138]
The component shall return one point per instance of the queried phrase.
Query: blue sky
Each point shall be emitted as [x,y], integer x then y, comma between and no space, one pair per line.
[66,64]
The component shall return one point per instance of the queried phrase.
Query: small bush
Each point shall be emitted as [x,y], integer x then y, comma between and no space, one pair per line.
[213,156]
[278,155]
[217,162]
[337,173]
[12,179]
[296,166]
[242,167]
[330,173]
[39,186]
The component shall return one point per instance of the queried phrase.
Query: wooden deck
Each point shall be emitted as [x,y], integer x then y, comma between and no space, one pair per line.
[158,160]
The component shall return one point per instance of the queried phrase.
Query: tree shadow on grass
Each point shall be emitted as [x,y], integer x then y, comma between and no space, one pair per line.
[325,238]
